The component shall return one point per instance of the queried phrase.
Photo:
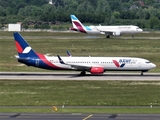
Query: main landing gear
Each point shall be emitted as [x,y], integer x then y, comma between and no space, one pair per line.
[83,73]
[132,36]
[108,36]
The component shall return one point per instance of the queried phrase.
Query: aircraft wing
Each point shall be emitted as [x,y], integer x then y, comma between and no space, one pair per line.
[112,32]
[109,32]
[76,67]
[79,67]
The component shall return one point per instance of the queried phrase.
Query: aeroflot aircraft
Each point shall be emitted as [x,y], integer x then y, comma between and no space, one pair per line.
[108,30]
[94,65]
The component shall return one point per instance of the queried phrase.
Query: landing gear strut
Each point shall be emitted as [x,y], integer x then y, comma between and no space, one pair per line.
[132,36]
[82,73]
[142,73]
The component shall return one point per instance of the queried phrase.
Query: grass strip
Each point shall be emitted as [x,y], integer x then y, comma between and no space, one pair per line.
[84,110]
[79,93]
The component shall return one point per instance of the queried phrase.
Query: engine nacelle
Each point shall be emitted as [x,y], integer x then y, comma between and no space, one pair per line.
[101,32]
[97,70]
[116,33]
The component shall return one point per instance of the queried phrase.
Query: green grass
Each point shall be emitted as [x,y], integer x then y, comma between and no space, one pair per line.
[79,93]
[85,110]
[42,95]
[79,45]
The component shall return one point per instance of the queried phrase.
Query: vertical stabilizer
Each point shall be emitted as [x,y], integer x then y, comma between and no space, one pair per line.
[23,48]
[77,25]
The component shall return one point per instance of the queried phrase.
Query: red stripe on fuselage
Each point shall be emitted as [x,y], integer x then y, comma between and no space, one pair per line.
[19,48]
[116,63]
[43,58]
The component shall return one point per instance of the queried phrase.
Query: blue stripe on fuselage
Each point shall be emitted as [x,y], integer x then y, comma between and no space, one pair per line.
[37,63]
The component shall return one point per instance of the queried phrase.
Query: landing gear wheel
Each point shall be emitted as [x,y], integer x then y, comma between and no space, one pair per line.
[107,36]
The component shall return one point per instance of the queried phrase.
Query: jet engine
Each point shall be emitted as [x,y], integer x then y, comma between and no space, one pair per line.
[116,33]
[97,70]
[101,32]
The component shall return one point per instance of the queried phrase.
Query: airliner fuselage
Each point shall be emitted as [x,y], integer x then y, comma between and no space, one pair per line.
[86,63]
[108,30]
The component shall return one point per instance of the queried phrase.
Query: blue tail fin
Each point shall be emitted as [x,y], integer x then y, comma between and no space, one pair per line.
[23,48]
[68,53]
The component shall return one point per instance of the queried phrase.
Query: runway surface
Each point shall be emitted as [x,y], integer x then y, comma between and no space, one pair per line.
[75,76]
[77,116]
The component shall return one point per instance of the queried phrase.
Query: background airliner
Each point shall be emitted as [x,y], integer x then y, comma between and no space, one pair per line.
[94,65]
[108,30]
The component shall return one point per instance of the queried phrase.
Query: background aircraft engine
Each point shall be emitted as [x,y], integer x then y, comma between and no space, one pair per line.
[116,33]
[97,70]
[101,32]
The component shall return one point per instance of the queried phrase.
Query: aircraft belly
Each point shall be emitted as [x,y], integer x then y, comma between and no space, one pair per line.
[126,68]
[93,32]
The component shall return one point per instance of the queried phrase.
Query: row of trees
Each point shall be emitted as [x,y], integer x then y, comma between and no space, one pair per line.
[106,12]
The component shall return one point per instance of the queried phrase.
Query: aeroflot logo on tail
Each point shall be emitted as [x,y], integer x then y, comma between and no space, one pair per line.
[21,50]
[121,63]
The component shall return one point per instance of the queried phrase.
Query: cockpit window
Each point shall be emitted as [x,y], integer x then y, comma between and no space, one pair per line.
[147,62]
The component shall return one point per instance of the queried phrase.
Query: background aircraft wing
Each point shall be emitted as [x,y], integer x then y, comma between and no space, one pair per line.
[110,32]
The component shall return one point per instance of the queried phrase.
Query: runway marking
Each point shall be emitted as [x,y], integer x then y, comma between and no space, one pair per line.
[87,117]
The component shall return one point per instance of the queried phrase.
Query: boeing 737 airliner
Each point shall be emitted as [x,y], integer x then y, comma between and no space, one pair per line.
[108,30]
[94,65]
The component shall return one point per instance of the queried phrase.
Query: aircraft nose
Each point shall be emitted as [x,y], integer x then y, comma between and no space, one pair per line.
[153,65]
[140,30]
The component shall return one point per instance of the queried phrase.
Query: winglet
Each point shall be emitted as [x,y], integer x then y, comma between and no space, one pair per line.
[68,53]
[60,59]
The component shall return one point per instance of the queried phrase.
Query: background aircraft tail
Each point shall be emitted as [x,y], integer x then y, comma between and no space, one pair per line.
[23,48]
[77,25]
[68,53]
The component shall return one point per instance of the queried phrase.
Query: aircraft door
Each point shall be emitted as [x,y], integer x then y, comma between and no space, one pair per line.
[37,62]
[139,64]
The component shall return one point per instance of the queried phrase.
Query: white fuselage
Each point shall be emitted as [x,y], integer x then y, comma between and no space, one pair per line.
[108,63]
[113,29]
